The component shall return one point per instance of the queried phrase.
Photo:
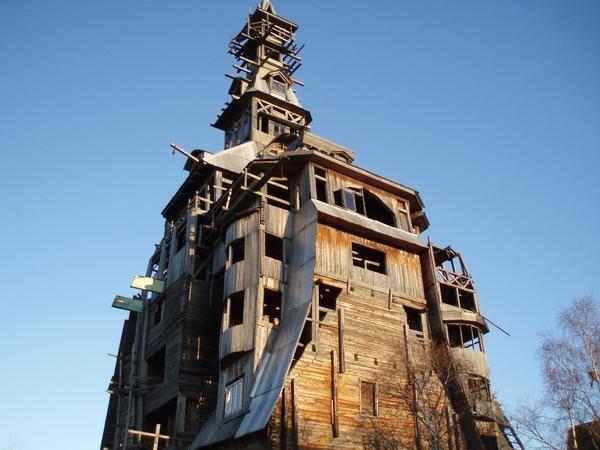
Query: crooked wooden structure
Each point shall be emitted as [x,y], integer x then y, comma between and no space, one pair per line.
[290,288]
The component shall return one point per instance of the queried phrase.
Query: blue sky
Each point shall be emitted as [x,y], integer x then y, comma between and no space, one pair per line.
[490,109]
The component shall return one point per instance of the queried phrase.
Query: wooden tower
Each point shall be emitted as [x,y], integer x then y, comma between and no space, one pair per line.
[291,302]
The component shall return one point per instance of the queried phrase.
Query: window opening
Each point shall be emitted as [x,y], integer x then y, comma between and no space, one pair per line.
[377,210]
[274,246]
[368,258]
[236,309]
[272,306]
[234,392]
[368,398]
[263,123]
[321,184]
[328,296]
[156,367]
[465,336]
[489,442]
[279,128]
[278,87]
[467,300]
[449,294]
[413,319]
[236,251]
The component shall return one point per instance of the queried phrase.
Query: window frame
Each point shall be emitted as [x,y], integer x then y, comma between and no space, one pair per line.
[239,381]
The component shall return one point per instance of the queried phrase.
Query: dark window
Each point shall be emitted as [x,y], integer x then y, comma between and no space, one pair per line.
[236,251]
[158,312]
[466,336]
[263,123]
[454,336]
[377,210]
[413,318]
[368,258]
[489,442]
[368,398]
[278,192]
[274,247]
[328,296]
[236,309]
[467,299]
[156,367]
[321,184]
[272,306]
[449,294]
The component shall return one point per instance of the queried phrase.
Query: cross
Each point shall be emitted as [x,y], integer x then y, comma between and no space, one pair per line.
[156,435]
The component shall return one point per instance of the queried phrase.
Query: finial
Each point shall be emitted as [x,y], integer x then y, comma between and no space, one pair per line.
[267,6]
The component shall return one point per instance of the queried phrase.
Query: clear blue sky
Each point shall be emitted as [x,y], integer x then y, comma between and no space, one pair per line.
[490,109]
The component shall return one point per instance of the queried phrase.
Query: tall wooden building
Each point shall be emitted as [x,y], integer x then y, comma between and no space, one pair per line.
[291,302]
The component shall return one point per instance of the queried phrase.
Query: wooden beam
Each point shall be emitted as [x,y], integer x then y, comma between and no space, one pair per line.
[294,415]
[342,353]
[284,420]
[334,398]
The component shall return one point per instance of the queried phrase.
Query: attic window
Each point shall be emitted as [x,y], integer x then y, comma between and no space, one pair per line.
[350,198]
[278,86]
[368,258]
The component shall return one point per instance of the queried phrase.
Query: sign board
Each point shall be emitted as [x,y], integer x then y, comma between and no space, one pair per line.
[128,304]
[148,284]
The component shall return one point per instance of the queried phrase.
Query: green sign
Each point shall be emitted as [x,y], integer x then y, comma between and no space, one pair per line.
[128,304]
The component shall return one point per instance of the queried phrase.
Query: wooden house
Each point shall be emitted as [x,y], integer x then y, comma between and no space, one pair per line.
[291,302]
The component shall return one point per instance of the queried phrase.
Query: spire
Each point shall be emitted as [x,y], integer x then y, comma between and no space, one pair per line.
[267,6]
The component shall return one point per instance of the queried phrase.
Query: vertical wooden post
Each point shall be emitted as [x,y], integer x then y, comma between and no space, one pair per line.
[449,428]
[294,415]
[411,381]
[156,437]
[456,431]
[315,314]
[334,398]
[342,353]
[284,421]
[180,414]
[390,299]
